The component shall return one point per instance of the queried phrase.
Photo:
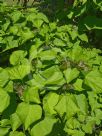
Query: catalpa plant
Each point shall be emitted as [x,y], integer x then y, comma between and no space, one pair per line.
[50,77]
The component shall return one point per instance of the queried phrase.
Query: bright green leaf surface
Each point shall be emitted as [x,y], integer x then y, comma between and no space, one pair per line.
[28,113]
[44,127]
[4,100]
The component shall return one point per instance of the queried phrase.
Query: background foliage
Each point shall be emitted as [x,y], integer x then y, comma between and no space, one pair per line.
[51,68]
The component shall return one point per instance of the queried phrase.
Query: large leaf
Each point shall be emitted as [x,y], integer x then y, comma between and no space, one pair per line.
[75,52]
[43,17]
[71,74]
[9,87]
[26,34]
[89,126]
[28,113]
[17,57]
[49,102]
[94,80]
[10,42]
[44,127]
[15,121]
[78,85]
[14,29]
[3,77]
[32,95]
[4,100]
[15,16]
[47,55]
[67,105]
[4,131]
[82,103]
[59,42]
[93,101]
[73,123]
[19,71]
[53,76]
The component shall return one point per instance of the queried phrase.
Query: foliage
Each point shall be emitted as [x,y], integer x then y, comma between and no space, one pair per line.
[50,77]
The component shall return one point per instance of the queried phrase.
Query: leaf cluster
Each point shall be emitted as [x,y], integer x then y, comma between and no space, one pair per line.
[50,78]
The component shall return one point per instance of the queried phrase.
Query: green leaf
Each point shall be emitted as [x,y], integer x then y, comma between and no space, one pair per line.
[33,53]
[31,17]
[43,17]
[47,55]
[89,126]
[98,3]
[83,37]
[15,121]
[28,113]
[75,132]
[82,103]
[4,131]
[98,116]
[92,97]
[15,16]
[60,108]
[9,87]
[31,95]
[100,133]
[53,76]
[44,127]
[37,23]
[71,74]
[5,122]
[14,29]
[59,42]
[3,77]
[17,57]
[16,133]
[71,106]
[67,105]
[78,85]
[6,25]
[73,123]
[49,102]
[75,52]
[18,72]
[10,42]
[94,80]
[4,100]
[26,34]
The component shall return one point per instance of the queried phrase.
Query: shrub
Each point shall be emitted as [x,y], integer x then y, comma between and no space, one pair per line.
[50,78]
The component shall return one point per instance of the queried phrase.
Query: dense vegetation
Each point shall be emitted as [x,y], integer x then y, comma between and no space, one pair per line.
[51,68]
